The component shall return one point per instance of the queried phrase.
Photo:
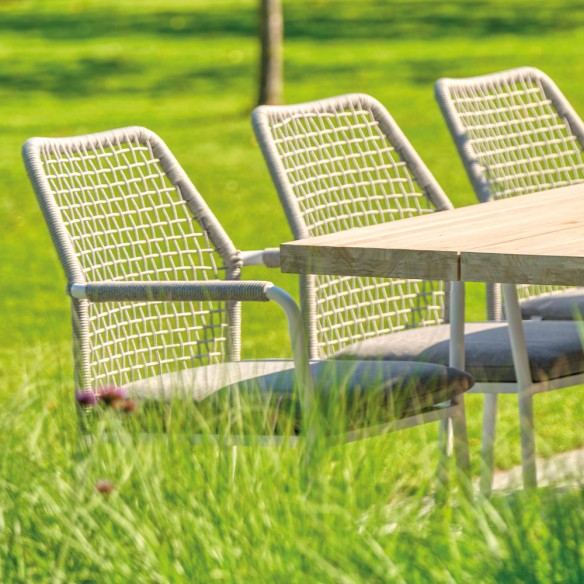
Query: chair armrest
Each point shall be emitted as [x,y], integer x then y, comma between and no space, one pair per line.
[172,291]
[219,290]
[269,257]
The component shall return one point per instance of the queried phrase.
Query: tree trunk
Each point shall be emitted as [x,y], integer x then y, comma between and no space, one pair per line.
[271,36]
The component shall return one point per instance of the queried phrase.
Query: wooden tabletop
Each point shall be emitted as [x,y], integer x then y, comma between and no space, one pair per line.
[532,239]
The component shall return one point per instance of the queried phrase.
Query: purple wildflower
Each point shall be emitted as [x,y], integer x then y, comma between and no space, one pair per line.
[111,396]
[86,398]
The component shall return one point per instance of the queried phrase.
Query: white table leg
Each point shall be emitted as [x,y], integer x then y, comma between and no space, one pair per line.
[456,359]
[524,384]
[456,355]
[456,352]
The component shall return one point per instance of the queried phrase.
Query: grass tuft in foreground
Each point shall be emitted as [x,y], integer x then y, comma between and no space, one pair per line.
[127,505]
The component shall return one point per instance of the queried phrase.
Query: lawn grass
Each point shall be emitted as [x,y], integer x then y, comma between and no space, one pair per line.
[187,70]
[129,507]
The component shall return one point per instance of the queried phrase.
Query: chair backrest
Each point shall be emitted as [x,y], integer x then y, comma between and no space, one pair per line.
[120,208]
[340,163]
[516,134]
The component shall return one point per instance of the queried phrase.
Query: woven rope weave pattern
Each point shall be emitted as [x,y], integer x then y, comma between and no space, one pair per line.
[514,139]
[520,141]
[337,170]
[177,291]
[126,221]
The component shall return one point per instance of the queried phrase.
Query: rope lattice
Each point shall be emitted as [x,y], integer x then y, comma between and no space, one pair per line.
[516,138]
[127,222]
[353,309]
[520,141]
[342,172]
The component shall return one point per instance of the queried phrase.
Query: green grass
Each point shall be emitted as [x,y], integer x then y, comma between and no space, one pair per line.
[187,70]
[360,512]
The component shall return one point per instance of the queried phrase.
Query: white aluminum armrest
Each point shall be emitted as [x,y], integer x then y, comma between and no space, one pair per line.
[219,290]
[269,257]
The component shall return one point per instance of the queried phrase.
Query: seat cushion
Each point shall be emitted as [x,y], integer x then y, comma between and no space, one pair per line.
[564,305]
[201,382]
[365,393]
[554,348]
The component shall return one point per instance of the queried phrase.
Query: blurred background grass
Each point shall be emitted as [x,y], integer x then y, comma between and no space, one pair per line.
[188,70]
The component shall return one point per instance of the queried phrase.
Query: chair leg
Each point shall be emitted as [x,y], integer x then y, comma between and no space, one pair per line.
[452,435]
[527,438]
[445,436]
[488,442]
[461,448]
[444,456]
[460,436]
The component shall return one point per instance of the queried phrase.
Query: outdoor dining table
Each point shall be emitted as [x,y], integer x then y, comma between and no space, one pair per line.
[534,239]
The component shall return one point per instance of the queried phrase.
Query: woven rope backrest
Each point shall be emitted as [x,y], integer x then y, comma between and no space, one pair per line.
[120,208]
[341,163]
[516,134]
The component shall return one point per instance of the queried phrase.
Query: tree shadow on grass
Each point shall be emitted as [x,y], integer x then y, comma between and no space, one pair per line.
[315,19]
[72,78]
[432,19]
[117,76]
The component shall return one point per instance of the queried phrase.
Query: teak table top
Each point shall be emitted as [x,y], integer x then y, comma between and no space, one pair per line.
[532,239]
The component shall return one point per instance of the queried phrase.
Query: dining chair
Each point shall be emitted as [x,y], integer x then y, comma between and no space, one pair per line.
[516,133]
[343,162]
[156,296]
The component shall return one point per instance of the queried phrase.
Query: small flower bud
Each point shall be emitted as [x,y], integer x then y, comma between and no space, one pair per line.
[86,398]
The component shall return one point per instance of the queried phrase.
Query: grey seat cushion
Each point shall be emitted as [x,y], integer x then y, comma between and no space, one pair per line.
[365,393]
[201,382]
[564,305]
[554,348]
